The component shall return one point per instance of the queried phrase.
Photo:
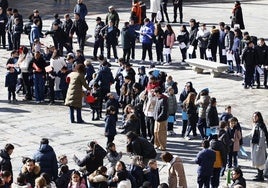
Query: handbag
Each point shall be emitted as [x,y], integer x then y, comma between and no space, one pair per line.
[90,99]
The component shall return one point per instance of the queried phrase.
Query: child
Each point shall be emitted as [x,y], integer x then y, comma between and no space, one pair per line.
[63,73]
[6,178]
[235,136]
[127,110]
[89,70]
[98,178]
[37,45]
[16,31]
[21,182]
[113,156]
[80,59]
[76,180]
[172,109]
[136,170]
[64,176]
[11,82]
[62,160]
[110,124]
[112,101]
[152,174]
[96,105]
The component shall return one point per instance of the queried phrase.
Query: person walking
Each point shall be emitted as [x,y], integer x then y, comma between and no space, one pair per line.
[237,16]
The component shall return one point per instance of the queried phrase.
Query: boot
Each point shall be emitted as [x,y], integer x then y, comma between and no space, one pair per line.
[259,176]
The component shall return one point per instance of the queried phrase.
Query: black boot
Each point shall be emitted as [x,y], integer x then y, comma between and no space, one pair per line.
[259,176]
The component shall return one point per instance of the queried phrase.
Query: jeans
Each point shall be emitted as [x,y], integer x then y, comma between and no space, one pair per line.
[78,114]
[39,86]
[202,126]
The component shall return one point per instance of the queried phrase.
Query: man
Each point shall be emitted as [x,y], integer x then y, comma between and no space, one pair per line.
[81,9]
[112,16]
[262,55]
[9,29]
[99,40]
[3,22]
[237,177]
[47,159]
[30,170]
[60,38]
[163,9]
[66,27]
[205,160]
[228,42]
[4,5]
[5,163]
[192,37]
[160,117]
[177,4]
[126,42]
[79,27]
[146,34]
[222,51]
[202,37]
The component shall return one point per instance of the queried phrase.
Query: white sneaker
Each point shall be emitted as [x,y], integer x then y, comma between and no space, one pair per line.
[166,64]
[187,138]
[108,60]
[115,60]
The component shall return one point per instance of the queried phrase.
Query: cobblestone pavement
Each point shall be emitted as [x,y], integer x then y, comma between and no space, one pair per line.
[24,124]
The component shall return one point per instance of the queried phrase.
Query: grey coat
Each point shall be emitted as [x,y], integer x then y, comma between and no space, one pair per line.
[172,104]
[202,102]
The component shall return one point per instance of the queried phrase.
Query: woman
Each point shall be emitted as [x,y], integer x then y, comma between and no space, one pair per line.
[213,40]
[183,38]
[159,44]
[258,145]
[237,17]
[176,174]
[236,50]
[75,91]
[169,39]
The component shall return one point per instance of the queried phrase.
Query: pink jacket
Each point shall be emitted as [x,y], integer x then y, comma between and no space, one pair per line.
[170,39]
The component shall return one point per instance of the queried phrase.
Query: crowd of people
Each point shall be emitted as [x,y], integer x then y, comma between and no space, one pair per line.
[149,104]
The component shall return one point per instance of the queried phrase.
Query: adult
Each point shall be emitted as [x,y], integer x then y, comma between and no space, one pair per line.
[94,158]
[99,40]
[5,163]
[9,28]
[258,145]
[237,49]
[237,177]
[163,9]
[66,27]
[4,5]
[160,117]
[262,54]
[30,170]
[202,37]
[177,4]
[46,158]
[212,118]
[192,37]
[113,16]
[222,51]
[154,8]
[140,146]
[36,15]
[79,27]
[183,39]
[228,42]
[3,22]
[74,92]
[213,41]
[37,65]
[169,39]
[237,16]
[176,174]
[205,160]
[81,9]
[126,41]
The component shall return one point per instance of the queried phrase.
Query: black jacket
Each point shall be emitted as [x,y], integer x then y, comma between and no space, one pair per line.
[249,57]
[80,27]
[161,109]
[111,35]
[262,54]
[212,116]
[5,163]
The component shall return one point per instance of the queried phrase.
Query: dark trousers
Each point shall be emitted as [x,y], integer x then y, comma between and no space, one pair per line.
[109,46]
[153,15]
[11,92]
[193,55]
[142,125]
[132,49]
[110,139]
[175,8]
[51,83]
[202,126]
[126,55]
[98,44]
[183,53]
[81,41]
[237,61]
[27,84]
[147,47]
[249,75]
[191,125]
[215,178]
[223,58]
[3,39]
[184,127]
[66,46]
[265,74]
[64,93]
[232,155]
[39,86]
[10,43]
[203,53]
[149,122]
[78,114]
[203,181]
[96,111]
[163,9]
[16,41]
[159,52]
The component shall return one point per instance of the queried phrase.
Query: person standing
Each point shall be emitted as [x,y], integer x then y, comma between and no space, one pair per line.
[74,92]
[4,5]
[34,34]
[126,42]
[205,160]
[46,158]
[3,22]
[79,27]
[160,117]
[213,41]
[183,39]
[36,15]
[154,8]
[262,55]
[258,146]
[202,37]
[222,51]
[163,9]
[177,4]
[9,28]
[237,49]
[159,43]
[169,39]
[113,16]
[212,118]
[176,174]
[228,42]
[99,40]
[5,163]
[66,27]
[237,16]
[192,37]
[81,9]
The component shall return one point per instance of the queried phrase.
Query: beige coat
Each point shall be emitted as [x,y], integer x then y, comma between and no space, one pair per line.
[176,174]
[75,91]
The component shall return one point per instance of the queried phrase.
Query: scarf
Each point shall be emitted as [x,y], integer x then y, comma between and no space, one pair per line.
[235,8]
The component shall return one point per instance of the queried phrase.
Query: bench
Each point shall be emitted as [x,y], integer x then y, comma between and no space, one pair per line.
[199,65]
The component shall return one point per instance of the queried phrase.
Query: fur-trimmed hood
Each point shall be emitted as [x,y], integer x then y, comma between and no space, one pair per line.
[36,170]
[97,178]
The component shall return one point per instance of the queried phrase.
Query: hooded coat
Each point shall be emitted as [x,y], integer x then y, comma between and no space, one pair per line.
[31,176]
[5,161]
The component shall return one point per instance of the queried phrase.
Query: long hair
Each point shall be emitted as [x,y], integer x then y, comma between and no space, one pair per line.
[169,28]
[158,28]
[260,118]
[190,98]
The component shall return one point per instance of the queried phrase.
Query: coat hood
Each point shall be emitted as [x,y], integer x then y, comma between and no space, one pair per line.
[44,148]
[4,154]
[142,70]
[36,170]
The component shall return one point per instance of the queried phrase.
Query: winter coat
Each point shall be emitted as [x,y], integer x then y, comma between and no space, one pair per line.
[124,184]
[239,181]
[237,18]
[81,9]
[34,34]
[225,116]
[112,16]
[202,104]
[213,39]
[113,157]
[155,6]
[262,54]
[137,173]
[225,139]
[105,78]
[126,38]
[169,39]
[229,40]
[59,37]
[76,185]
[205,160]
[172,104]
[149,105]
[46,158]
[79,27]
[176,174]
[98,33]
[64,179]
[202,37]
[111,35]
[75,91]
[3,22]
[192,36]
[183,37]
[31,176]
[152,175]
[234,134]
[212,116]
[218,146]
[67,25]
[11,78]
[161,109]
[110,125]
[132,125]
[258,148]
[5,163]
[249,57]
[93,160]
[146,31]
[98,180]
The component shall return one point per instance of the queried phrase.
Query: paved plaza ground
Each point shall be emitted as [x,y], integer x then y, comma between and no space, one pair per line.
[25,123]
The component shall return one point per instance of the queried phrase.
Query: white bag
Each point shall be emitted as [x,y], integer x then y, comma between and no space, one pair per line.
[229,56]
[208,53]
[259,69]
[182,45]
[190,50]
[166,50]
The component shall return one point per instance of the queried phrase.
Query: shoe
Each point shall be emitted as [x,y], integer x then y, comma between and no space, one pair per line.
[141,62]
[152,62]
[108,60]
[174,21]
[42,101]
[166,64]
[258,87]
[81,122]
[94,58]
[38,102]
[172,133]
[158,63]
[265,86]
[115,60]
[9,101]
[187,138]
[51,102]
[14,101]
[260,179]
[97,119]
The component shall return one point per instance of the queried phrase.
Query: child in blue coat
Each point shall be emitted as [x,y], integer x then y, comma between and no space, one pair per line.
[110,124]
[11,82]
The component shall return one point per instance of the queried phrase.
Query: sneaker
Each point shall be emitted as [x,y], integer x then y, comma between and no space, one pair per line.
[187,138]
[166,64]
[172,133]
[38,102]
[9,101]
[108,60]
[115,60]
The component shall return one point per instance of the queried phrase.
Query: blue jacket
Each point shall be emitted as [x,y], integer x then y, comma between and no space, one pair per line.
[34,34]
[81,9]
[205,159]
[11,78]
[105,78]
[146,31]
[110,125]
[47,160]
